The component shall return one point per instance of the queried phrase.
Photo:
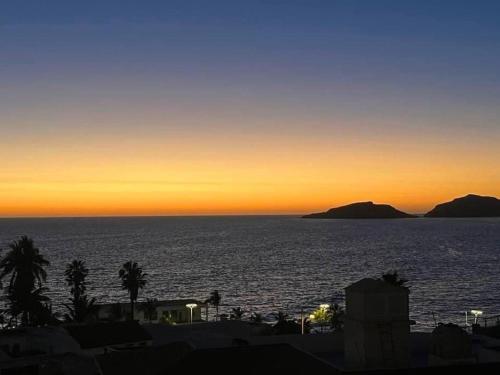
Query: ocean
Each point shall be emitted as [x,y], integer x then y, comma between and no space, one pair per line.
[269,263]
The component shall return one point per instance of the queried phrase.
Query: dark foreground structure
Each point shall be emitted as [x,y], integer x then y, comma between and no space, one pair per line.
[376,339]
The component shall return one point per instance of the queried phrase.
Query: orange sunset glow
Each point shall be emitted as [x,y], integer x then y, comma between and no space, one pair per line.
[253,174]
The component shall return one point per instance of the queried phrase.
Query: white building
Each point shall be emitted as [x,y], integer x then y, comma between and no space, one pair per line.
[173,311]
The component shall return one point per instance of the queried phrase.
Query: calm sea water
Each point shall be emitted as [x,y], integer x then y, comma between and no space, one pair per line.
[270,263]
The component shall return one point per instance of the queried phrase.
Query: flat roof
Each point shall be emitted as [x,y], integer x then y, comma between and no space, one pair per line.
[174,302]
[104,334]
[375,286]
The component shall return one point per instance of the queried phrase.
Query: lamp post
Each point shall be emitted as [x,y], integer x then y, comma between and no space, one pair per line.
[302,318]
[191,306]
[476,313]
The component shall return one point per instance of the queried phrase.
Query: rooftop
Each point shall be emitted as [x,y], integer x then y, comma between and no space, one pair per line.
[175,302]
[104,334]
[146,361]
[369,285]
[254,359]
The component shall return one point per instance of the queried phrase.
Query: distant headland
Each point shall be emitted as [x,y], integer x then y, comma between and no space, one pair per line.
[361,210]
[469,206]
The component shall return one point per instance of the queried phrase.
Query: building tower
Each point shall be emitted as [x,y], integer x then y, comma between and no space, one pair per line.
[377,325]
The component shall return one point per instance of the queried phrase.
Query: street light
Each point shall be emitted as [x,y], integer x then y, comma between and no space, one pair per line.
[477,314]
[302,321]
[191,306]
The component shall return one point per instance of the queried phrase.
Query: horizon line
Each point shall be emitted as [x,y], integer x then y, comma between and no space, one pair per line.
[160,216]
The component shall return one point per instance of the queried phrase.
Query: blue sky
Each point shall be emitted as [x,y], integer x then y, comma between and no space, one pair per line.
[446,50]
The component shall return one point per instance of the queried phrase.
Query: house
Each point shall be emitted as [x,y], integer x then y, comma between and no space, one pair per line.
[172,311]
[30,341]
[51,364]
[43,351]
[102,338]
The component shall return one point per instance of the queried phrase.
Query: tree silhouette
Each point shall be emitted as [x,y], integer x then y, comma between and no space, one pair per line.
[75,273]
[336,317]
[133,279]
[237,313]
[206,303]
[81,307]
[41,309]
[281,316]
[392,277]
[322,316]
[215,299]
[285,325]
[25,267]
[256,318]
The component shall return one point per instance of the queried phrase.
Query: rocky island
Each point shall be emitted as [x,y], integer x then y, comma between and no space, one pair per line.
[469,206]
[361,210]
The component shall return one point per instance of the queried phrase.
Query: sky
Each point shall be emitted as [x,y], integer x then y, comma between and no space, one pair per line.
[246,107]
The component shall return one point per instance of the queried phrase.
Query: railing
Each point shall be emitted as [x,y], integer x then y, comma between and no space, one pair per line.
[492,318]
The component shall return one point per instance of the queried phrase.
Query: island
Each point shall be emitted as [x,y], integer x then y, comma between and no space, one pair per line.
[469,206]
[361,210]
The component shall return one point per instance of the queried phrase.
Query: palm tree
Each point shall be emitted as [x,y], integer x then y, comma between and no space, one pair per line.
[24,265]
[285,325]
[81,307]
[41,309]
[75,273]
[206,303]
[281,316]
[394,279]
[336,317]
[215,299]
[34,307]
[133,279]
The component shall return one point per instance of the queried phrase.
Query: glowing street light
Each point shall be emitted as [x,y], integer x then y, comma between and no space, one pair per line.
[477,314]
[191,306]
